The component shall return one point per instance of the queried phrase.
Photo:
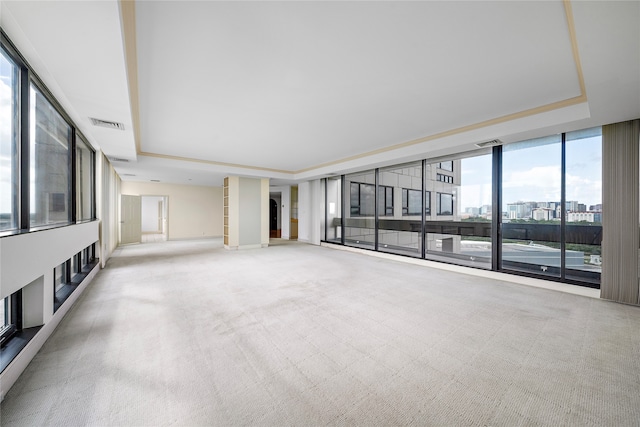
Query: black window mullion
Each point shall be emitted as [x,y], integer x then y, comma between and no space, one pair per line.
[423,210]
[326,207]
[375,208]
[16,309]
[563,206]
[73,199]
[343,206]
[24,168]
[93,185]
[496,210]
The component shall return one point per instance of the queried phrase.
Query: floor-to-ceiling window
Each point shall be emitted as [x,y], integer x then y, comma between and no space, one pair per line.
[458,229]
[546,221]
[400,209]
[333,206]
[531,210]
[360,200]
[584,205]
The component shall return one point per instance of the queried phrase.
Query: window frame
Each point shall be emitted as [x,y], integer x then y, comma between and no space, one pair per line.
[27,78]
[439,211]
[7,53]
[442,165]
[406,192]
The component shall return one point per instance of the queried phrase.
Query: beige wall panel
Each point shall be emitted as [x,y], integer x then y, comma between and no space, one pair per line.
[193,211]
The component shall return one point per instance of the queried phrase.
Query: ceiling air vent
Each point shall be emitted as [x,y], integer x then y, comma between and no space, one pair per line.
[128,174]
[492,143]
[106,124]
[118,159]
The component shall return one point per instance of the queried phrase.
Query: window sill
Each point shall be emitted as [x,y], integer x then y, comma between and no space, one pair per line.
[15,345]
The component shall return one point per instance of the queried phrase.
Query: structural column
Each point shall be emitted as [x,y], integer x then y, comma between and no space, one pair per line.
[246,212]
[620,212]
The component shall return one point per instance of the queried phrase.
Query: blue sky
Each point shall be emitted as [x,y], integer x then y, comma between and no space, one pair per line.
[532,173]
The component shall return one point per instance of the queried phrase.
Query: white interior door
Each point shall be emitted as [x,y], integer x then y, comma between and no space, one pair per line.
[130,219]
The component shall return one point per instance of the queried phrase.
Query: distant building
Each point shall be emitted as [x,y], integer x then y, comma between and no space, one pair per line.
[520,210]
[571,205]
[542,214]
[472,211]
[580,216]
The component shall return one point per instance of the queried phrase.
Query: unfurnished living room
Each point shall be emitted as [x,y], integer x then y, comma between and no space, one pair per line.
[319,213]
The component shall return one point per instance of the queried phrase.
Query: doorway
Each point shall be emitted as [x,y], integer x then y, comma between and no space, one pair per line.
[130,220]
[293,231]
[275,228]
[154,219]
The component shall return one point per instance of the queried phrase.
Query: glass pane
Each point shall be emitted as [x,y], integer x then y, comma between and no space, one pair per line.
[458,229]
[8,143]
[84,181]
[531,172]
[583,254]
[400,225]
[4,312]
[360,223]
[334,209]
[59,278]
[385,200]
[49,163]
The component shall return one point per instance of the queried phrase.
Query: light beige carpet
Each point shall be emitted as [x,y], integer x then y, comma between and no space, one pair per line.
[186,333]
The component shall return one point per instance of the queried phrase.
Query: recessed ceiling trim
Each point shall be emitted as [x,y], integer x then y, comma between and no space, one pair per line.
[574,46]
[128,17]
[509,117]
[127,10]
[212,162]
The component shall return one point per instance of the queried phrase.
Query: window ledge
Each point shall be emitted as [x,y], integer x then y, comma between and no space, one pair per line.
[15,345]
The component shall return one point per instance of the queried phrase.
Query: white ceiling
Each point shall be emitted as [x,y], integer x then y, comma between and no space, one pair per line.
[296,90]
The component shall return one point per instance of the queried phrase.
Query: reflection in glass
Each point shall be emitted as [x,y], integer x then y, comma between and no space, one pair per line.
[458,229]
[359,225]
[84,181]
[399,225]
[531,183]
[8,143]
[334,209]
[4,312]
[49,162]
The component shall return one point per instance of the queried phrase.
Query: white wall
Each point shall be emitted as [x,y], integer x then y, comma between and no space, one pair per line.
[108,206]
[27,262]
[26,257]
[310,209]
[250,212]
[193,211]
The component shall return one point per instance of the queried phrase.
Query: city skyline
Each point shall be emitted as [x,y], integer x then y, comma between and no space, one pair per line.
[533,174]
